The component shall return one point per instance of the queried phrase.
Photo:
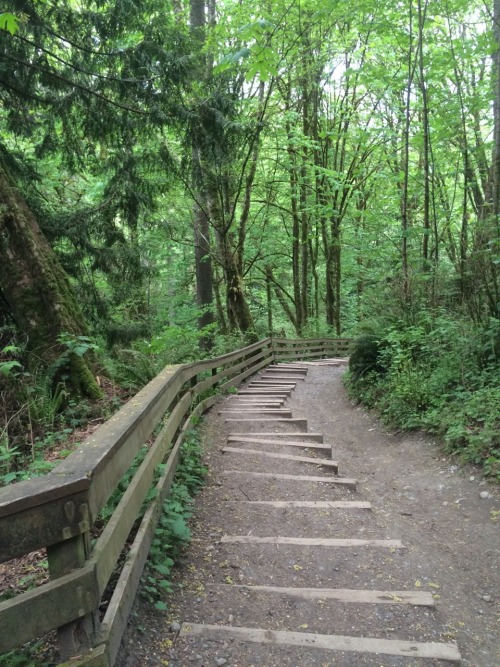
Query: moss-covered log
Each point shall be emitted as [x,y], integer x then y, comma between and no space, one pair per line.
[37,289]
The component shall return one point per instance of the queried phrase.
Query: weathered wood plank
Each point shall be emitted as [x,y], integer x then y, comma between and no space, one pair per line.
[283,364]
[39,490]
[115,619]
[268,375]
[310,541]
[283,393]
[429,650]
[236,405]
[341,481]
[299,423]
[348,595]
[112,540]
[252,403]
[107,453]
[231,370]
[282,412]
[47,607]
[316,504]
[324,463]
[43,525]
[96,657]
[229,358]
[316,437]
[253,400]
[273,383]
[282,443]
[238,379]
[337,360]
[63,559]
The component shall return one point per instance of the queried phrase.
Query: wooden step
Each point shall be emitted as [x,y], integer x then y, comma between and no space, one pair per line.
[263,405]
[315,504]
[311,541]
[258,411]
[299,423]
[282,443]
[285,372]
[264,392]
[352,596]
[243,400]
[325,463]
[281,376]
[254,400]
[270,385]
[429,650]
[274,383]
[316,437]
[340,481]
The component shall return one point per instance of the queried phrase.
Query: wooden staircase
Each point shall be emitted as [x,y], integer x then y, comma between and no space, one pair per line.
[264,628]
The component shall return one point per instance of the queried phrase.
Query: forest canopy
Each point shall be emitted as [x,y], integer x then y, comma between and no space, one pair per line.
[178,178]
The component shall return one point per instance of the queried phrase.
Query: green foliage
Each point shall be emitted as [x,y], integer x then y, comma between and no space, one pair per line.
[10,367]
[9,22]
[365,356]
[441,375]
[26,657]
[172,533]
[78,345]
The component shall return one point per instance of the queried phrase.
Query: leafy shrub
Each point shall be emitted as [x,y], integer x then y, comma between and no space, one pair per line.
[439,374]
[173,533]
[365,356]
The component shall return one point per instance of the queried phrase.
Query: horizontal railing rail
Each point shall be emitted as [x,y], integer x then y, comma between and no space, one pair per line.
[58,511]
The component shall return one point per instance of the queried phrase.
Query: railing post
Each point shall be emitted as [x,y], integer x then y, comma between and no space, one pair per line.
[63,558]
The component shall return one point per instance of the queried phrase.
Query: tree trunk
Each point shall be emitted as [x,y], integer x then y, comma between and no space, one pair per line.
[269,301]
[238,312]
[201,225]
[405,205]
[37,289]
[426,132]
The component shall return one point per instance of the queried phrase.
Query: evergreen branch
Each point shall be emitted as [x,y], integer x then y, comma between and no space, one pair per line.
[85,49]
[85,89]
[79,69]
[22,93]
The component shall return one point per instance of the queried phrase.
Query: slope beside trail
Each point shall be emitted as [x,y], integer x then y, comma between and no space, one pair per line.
[394,562]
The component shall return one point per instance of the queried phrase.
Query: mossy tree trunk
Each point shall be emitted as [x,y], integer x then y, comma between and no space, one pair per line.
[37,289]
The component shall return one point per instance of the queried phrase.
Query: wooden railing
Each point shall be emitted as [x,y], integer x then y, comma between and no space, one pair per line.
[58,511]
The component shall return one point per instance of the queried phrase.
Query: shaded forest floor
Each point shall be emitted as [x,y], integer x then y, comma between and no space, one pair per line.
[419,495]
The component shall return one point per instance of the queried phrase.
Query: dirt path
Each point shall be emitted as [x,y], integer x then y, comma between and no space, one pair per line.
[449,555]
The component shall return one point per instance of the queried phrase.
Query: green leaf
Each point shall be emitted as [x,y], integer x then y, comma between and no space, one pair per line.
[7,366]
[160,605]
[161,568]
[9,22]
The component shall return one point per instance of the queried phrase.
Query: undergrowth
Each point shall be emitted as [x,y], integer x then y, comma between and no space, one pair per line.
[172,533]
[38,415]
[437,374]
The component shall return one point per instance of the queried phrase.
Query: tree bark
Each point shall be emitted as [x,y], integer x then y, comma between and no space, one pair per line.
[201,224]
[37,289]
